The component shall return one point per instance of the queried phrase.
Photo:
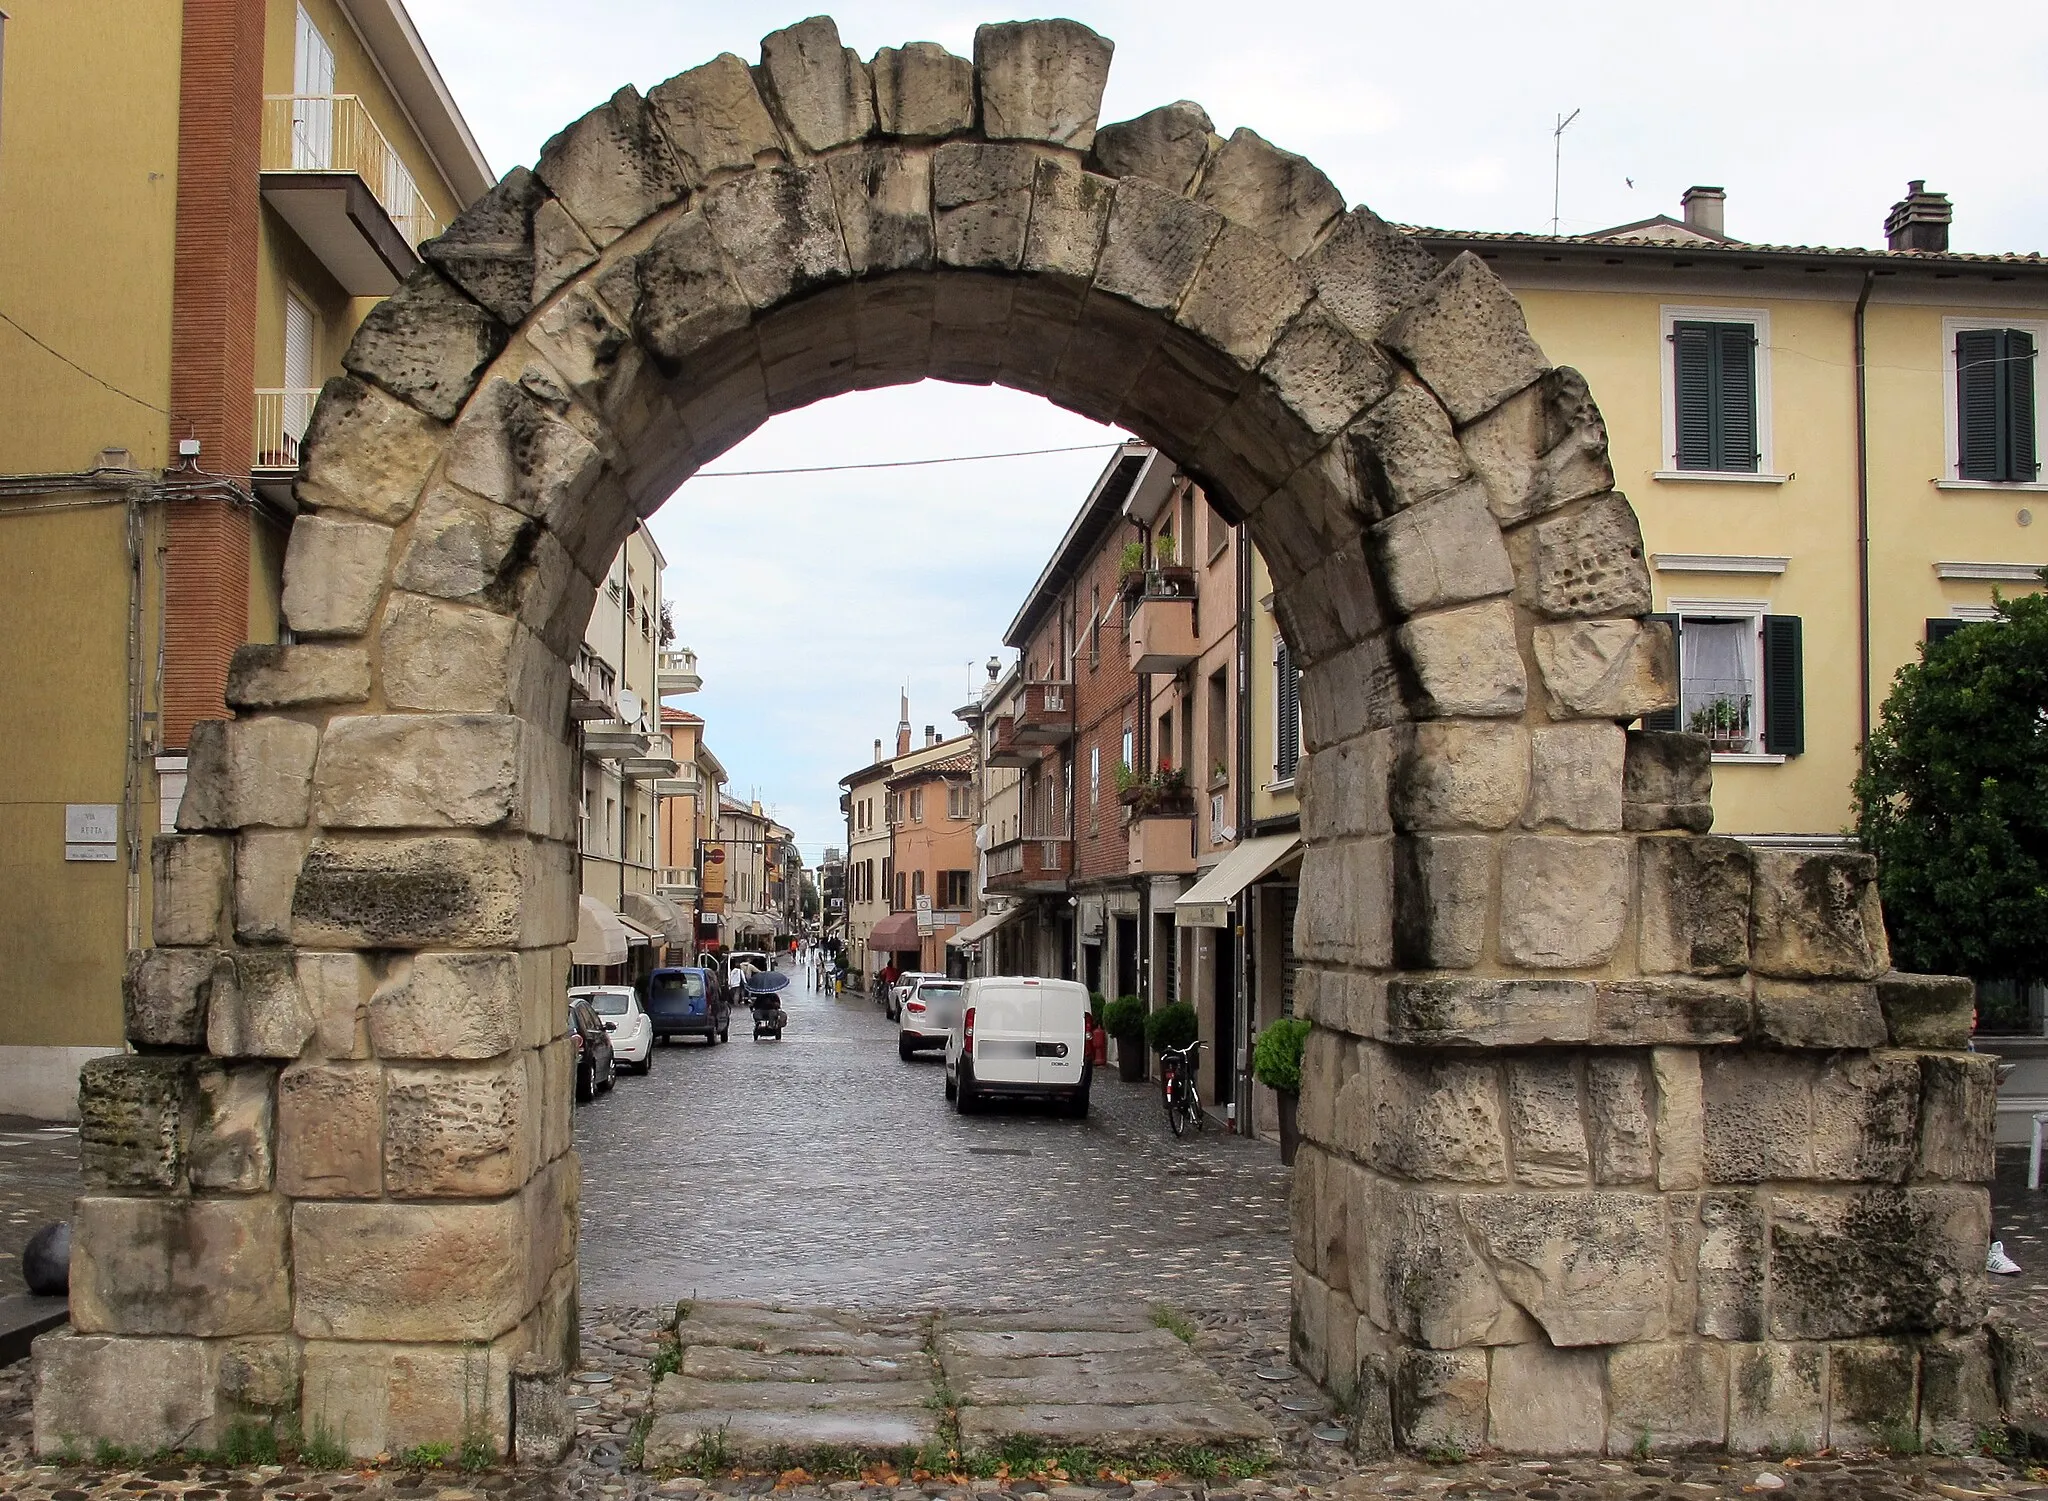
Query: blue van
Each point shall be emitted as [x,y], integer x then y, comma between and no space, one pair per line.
[686,1002]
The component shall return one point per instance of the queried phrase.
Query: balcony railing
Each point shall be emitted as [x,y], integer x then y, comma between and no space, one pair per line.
[676,882]
[281,418]
[1045,714]
[678,673]
[1035,865]
[1722,709]
[335,133]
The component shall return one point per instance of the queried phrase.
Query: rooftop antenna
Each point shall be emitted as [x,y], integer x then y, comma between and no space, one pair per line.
[1557,165]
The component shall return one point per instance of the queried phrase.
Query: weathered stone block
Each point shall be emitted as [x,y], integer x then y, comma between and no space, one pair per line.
[1695,896]
[1541,449]
[1405,450]
[981,201]
[148,1393]
[511,449]
[1816,915]
[1417,1273]
[1920,1011]
[1347,914]
[1153,245]
[1041,80]
[488,251]
[1166,145]
[335,987]
[230,1148]
[1877,1261]
[1343,787]
[1824,1014]
[1442,899]
[714,118]
[1465,337]
[1309,1328]
[1564,902]
[780,232]
[261,1374]
[1443,552]
[366,453]
[1546,1401]
[688,292]
[1245,293]
[188,888]
[266,868]
[1466,662]
[1667,1396]
[820,89]
[134,1115]
[1590,562]
[1730,1261]
[1415,1117]
[588,346]
[1591,1267]
[1681,1118]
[420,892]
[456,1130]
[1545,1124]
[461,1005]
[463,548]
[1328,376]
[921,89]
[1366,270]
[885,209]
[330,1130]
[1305,1203]
[179,1266]
[1870,1393]
[1958,1117]
[1635,1013]
[1282,197]
[1575,779]
[612,168]
[261,1013]
[1667,782]
[165,994]
[1607,669]
[385,1398]
[1069,216]
[1618,1118]
[1439,1400]
[1488,1013]
[333,573]
[263,676]
[1776,1398]
[448,657]
[1958,1396]
[543,1423]
[400,771]
[425,344]
[411,1272]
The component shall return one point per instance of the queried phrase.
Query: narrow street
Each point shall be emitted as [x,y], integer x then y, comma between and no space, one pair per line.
[824,1168]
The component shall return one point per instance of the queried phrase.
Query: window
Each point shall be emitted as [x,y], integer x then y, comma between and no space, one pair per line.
[1287,708]
[313,104]
[954,889]
[1996,405]
[1219,531]
[1715,381]
[611,823]
[1129,749]
[1095,631]
[1166,740]
[890,809]
[1094,775]
[902,888]
[1741,679]
[959,800]
[916,884]
[917,805]
[1219,726]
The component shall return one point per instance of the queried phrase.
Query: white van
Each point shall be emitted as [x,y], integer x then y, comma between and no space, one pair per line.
[1020,1037]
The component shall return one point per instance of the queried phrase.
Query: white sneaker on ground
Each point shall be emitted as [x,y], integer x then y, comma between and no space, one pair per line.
[1998,1261]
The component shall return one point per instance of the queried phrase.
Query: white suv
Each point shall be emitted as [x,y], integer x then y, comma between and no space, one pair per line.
[1020,1037]
[892,1003]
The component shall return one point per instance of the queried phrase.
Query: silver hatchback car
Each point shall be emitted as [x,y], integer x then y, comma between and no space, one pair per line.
[931,1010]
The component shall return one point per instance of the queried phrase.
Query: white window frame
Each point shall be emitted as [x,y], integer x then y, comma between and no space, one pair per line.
[1668,316]
[1951,434]
[1280,783]
[1723,609]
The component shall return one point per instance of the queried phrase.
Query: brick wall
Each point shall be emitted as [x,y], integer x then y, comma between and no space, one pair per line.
[1105,695]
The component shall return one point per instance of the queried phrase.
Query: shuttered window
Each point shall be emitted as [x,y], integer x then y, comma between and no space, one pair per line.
[1287,744]
[1715,383]
[1995,406]
[1941,627]
[1741,682]
[1784,686]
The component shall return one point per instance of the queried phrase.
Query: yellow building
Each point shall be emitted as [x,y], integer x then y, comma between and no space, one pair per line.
[1833,454]
[198,204]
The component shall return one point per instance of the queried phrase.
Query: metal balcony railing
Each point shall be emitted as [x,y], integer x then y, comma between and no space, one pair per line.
[335,133]
[1722,709]
[281,417]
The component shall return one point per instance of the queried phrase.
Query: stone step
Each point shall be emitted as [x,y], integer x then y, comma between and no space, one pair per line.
[675,1438]
[726,1363]
[679,1393]
[1000,1344]
[1107,1427]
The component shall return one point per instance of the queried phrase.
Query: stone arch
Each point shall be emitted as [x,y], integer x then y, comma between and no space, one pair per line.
[336,1175]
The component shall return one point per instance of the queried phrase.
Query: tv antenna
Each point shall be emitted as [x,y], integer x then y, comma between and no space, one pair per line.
[1557,164]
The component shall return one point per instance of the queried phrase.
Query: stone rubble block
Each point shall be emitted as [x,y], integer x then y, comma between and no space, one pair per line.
[204,1267]
[1914,1256]
[265,676]
[1591,1267]
[232,1118]
[1871,1393]
[1607,669]
[154,1393]
[922,90]
[1958,1117]
[1541,449]
[1283,197]
[165,994]
[688,292]
[1695,896]
[1589,561]
[1564,901]
[409,771]
[1546,1124]
[1542,1400]
[381,1398]
[1657,1011]
[457,1130]
[333,573]
[330,1121]
[336,988]
[1818,1014]
[1488,1013]
[135,1116]
[1923,1011]
[261,1014]
[1442,899]
[1816,916]
[1366,271]
[366,453]
[1405,449]
[884,203]
[1166,146]
[1244,295]
[1674,1395]
[1667,782]
[820,89]
[714,119]
[1041,81]
[1446,551]
[426,344]
[189,884]
[1466,661]
[612,168]
[429,891]
[1465,336]
[1777,1398]
[1439,1400]
[448,1005]
[779,229]
[266,869]
[1575,778]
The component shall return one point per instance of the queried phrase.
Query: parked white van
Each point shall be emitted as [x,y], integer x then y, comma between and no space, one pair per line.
[1020,1037]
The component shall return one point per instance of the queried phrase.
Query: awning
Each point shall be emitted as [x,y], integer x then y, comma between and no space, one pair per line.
[1206,904]
[600,936]
[638,934]
[983,926]
[896,934]
[658,915]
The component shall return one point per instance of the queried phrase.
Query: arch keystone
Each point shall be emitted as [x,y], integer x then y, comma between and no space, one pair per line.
[1283,197]
[921,89]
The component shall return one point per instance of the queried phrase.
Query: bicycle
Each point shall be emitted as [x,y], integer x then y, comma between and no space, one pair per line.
[1183,1097]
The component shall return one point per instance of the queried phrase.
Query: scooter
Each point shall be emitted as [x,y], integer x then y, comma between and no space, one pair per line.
[764,995]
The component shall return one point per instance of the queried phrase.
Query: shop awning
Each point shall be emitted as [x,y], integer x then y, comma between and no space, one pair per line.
[638,934]
[1206,904]
[983,926]
[600,937]
[658,915]
[896,934]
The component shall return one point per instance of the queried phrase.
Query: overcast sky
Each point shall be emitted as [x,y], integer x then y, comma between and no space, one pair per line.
[811,600]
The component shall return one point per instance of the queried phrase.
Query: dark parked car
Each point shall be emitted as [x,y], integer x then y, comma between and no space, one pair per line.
[687,1002]
[596,1067]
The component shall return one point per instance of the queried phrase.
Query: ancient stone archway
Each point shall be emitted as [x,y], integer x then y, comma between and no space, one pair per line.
[1609,1133]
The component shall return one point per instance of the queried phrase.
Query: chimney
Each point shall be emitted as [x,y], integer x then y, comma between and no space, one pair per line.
[903,726]
[878,748]
[1919,221]
[931,735]
[1703,208]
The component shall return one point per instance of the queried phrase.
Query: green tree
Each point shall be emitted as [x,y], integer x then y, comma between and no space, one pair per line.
[1953,801]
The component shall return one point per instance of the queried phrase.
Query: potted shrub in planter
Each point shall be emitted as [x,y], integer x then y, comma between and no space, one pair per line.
[1124,1019]
[1172,1026]
[1276,1063]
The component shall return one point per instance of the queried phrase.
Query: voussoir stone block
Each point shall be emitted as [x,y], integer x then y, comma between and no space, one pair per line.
[1366,271]
[1459,775]
[1695,906]
[779,230]
[1154,244]
[921,89]
[1920,1011]
[1589,561]
[1327,375]
[1466,662]
[511,449]
[1245,293]
[426,344]
[366,453]
[488,251]
[688,291]
[1575,777]
[714,118]
[612,168]
[232,1118]
[1667,782]
[333,573]
[1466,338]
[330,1130]
[204,1267]
[1283,197]
[1406,451]
[1564,901]
[820,88]
[1445,551]
[1166,145]
[1816,915]
[248,773]
[403,771]
[266,676]
[448,1005]
[189,875]
[1041,81]
[981,202]
[885,208]
[134,1117]
[1543,448]
[1607,669]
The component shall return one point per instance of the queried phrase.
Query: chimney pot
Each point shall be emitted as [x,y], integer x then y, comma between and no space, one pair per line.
[1703,210]
[1920,220]
[878,748]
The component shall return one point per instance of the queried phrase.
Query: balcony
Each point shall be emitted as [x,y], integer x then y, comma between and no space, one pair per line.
[685,783]
[1162,845]
[1045,714]
[1162,633]
[611,740]
[648,768]
[329,173]
[676,883]
[677,674]
[592,689]
[1021,865]
[1003,749]
[281,418]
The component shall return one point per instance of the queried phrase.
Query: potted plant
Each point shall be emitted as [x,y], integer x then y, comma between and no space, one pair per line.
[1124,1019]
[1130,566]
[1172,1026]
[1276,1063]
[1720,720]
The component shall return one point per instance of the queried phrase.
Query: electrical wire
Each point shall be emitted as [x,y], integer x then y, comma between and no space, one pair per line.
[965,458]
[58,354]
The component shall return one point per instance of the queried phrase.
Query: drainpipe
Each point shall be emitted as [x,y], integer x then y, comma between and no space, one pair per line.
[1863,523]
[1241,541]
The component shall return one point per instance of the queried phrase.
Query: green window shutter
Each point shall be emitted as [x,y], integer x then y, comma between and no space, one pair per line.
[1667,719]
[1784,686]
[1735,396]
[1714,384]
[1940,628]
[1978,424]
[1693,366]
[2023,464]
[1288,749]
